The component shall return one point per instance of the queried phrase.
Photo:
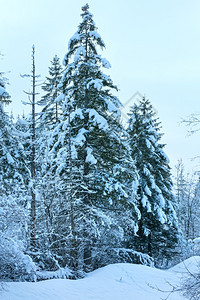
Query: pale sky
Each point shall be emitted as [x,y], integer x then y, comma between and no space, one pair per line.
[152,45]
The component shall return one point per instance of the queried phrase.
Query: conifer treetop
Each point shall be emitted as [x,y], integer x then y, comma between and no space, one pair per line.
[83,43]
[85,7]
[4,96]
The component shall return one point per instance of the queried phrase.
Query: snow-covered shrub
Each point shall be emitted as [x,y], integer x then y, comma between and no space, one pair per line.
[60,273]
[194,246]
[14,263]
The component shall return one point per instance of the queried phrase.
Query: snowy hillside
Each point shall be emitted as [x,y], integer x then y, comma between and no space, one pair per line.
[113,282]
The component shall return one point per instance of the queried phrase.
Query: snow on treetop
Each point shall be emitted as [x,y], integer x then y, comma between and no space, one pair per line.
[161,215]
[165,156]
[64,62]
[80,138]
[148,207]
[153,184]
[98,119]
[106,63]
[144,200]
[146,171]
[146,231]
[80,50]
[60,98]
[77,112]
[162,200]
[9,159]
[131,120]
[112,107]
[106,77]
[73,152]
[75,37]
[149,145]
[85,7]
[97,84]
[147,190]
[95,35]
[90,158]
[156,188]
[87,15]
[60,168]
[120,188]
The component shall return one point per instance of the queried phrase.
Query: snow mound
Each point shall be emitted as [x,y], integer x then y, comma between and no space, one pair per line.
[191,264]
[113,282]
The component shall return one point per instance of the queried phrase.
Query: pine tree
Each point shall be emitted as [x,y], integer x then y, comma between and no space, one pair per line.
[12,166]
[46,181]
[158,227]
[89,157]
[50,101]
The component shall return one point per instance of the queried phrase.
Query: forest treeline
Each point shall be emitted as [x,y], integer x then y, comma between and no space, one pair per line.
[79,190]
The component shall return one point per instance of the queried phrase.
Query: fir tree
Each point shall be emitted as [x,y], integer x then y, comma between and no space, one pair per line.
[52,108]
[88,155]
[158,227]
[12,164]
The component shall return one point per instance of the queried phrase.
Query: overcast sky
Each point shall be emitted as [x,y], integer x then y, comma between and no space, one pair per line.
[152,45]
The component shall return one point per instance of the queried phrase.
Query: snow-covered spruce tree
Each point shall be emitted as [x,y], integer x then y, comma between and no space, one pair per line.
[15,265]
[158,227]
[48,118]
[95,174]
[52,108]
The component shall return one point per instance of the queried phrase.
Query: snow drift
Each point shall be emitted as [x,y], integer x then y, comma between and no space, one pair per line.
[113,282]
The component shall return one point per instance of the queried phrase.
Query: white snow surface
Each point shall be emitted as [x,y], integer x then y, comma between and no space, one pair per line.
[75,37]
[97,84]
[113,282]
[98,119]
[9,159]
[106,63]
[80,51]
[90,158]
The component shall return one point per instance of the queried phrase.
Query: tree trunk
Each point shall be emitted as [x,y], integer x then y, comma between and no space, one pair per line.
[33,195]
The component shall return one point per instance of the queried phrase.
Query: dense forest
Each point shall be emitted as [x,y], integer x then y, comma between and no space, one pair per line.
[81,190]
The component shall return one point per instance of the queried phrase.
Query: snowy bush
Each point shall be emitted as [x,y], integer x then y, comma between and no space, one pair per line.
[15,265]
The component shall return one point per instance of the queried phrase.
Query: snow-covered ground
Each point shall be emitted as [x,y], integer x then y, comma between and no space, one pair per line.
[113,282]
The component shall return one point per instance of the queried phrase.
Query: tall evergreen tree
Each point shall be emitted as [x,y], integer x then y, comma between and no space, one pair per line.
[50,101]
[158,226]
[48,118]
[13,171]
[88,155]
